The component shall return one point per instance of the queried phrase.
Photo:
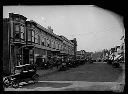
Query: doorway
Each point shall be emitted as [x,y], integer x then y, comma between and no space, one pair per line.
[25,56]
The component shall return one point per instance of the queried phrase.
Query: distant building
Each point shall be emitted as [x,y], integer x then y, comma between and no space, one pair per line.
[81,54]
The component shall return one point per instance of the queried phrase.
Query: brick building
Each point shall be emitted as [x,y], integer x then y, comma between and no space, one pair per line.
[24,40]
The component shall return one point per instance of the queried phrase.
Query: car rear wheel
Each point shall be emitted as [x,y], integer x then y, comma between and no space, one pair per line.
[6,82]
[35,78]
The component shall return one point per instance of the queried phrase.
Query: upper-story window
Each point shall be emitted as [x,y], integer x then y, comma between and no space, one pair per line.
[22,20]
[43,42]
[122,47]
[48,43]
[51,43]
[22,31]
[58,46]
[36,38]
[17,28]
[17,31]
[61,47]
[54,44]
[17,19]
[33,36]
[29,35]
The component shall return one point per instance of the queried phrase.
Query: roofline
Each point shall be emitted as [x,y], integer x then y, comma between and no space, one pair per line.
[12,14]
[66,39]
[44,29]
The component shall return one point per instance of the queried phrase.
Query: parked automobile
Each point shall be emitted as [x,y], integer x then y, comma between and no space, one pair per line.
[69,64]
[117,60]
[75,63]
[23,73]
[116,64]
[42,63]
[94,60]
[63,67]
[90,61]
[109,61]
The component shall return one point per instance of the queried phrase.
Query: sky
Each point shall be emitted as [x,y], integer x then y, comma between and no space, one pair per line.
[94,28]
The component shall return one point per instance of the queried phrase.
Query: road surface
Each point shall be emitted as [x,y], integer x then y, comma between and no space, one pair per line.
[97,76]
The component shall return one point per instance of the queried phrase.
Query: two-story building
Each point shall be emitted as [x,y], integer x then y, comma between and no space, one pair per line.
[14,36]
[24,40]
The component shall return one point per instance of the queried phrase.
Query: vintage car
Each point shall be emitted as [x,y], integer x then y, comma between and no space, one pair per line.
[43,63]
[117,60]
[23,73]
[63,67]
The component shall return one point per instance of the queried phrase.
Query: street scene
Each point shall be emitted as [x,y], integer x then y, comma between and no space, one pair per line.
[41,53]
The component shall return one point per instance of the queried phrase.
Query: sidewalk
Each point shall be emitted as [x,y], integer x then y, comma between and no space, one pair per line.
[42,72]
[120,80]
[75,86]
[122,65]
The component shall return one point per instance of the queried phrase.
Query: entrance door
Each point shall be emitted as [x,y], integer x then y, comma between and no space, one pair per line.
[25,56]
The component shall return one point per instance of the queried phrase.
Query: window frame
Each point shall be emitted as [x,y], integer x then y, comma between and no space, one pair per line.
[22,32]
[33,36]
[36,38]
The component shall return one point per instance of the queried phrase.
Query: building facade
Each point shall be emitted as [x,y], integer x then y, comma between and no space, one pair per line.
[25,40]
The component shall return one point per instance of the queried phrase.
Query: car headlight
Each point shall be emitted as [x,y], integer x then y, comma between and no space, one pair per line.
[5,79]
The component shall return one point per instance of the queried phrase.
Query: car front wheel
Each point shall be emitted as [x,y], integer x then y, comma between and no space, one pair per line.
[15,84]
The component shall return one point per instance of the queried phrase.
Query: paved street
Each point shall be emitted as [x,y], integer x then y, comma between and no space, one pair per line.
[97,72]
[97,76]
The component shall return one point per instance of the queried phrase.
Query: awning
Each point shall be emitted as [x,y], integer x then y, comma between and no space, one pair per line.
[117,57]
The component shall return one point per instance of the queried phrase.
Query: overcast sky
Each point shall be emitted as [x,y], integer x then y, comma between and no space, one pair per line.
[94,28]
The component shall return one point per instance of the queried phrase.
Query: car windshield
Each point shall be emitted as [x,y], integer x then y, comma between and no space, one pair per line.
[18,69]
